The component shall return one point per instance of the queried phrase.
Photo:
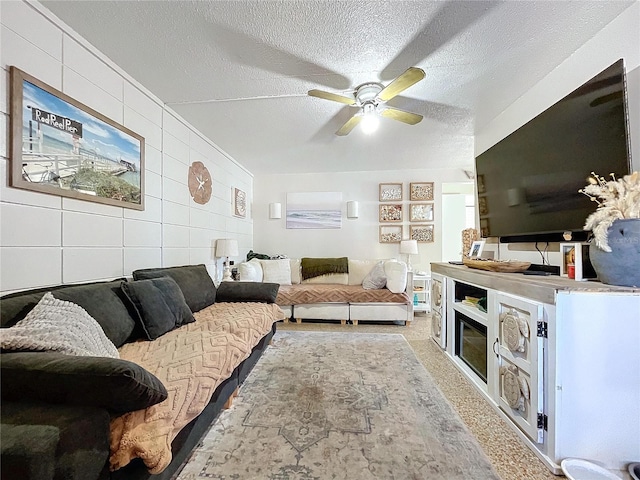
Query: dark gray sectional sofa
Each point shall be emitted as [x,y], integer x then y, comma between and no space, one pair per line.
[56,408]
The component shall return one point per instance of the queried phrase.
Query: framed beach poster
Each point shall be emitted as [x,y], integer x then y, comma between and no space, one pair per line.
[314,210]
[62,147]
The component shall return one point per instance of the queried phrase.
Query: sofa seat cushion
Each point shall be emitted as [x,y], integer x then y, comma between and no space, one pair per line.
[104,301]
[56,325]
[306,293]
[191,362]
[194,281]
[41,441]
[114,384]
[160,305]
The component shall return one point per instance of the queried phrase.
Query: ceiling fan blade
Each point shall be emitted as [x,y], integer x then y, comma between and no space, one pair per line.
[334,97]
[410,76]
[401,115]
[350,125]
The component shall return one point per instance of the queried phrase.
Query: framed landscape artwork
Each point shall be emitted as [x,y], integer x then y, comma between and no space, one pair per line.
[314,210]
[62,147]
[390,233]
[421,212]
[421,191]
[422,233]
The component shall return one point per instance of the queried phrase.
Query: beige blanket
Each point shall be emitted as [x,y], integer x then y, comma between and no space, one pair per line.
[307,293]
[191,362]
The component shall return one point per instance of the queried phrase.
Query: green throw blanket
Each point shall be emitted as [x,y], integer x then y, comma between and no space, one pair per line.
[314,267]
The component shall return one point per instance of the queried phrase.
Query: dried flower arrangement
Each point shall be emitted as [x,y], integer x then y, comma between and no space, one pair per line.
[619,199]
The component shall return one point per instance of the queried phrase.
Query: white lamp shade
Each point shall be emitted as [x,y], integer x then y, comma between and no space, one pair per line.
[275,210]
[409,247]
[352,209]
[226,247]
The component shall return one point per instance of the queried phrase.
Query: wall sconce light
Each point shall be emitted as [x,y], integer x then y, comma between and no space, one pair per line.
[352,209]
[275,210]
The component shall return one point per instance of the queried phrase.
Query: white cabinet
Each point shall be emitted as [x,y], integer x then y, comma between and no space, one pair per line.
[557,359]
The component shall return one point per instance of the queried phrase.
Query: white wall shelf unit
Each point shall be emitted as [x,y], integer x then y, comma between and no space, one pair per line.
[557,359]
[421,291]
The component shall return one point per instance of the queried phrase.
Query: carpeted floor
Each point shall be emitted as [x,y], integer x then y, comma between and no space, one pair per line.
[339,405]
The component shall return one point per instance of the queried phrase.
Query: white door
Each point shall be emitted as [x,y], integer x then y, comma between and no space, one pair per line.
[519,390]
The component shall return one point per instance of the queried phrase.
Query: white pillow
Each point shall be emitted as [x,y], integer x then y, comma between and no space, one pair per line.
[58,326]
[375,279]
[296,273]
[396,273]
[250,271]
[276,271]
[358,269]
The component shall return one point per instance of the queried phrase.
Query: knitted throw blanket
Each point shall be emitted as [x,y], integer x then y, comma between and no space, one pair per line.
[314,267]
[191,362]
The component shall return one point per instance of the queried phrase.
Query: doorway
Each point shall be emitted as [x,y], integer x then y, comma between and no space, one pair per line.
[458,213]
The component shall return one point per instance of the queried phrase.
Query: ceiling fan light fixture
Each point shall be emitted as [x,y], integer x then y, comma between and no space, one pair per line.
[370,120]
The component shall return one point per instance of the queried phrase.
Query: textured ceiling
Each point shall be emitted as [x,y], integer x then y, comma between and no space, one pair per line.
[239,70]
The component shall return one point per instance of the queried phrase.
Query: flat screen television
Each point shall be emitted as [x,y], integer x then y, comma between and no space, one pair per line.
[527,184]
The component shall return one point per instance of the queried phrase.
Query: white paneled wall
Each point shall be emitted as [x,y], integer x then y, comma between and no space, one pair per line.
[47,240]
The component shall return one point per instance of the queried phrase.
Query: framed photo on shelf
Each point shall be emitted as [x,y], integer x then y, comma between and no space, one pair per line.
[422,233]
[421,212]
[390,213]
[390,233]
[476,249]
[421,191]
[576,263]
[390,192]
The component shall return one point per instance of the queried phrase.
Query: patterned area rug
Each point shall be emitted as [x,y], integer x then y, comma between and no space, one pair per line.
[338,406]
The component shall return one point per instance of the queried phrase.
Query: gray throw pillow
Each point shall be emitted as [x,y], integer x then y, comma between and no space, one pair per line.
[194,281]
[58,326]
[160,305]
[376,278]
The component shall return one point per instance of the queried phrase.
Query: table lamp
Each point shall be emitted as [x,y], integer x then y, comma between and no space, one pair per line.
[225,248]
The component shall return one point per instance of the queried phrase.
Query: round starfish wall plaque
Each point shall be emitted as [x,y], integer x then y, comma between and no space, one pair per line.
[199,183]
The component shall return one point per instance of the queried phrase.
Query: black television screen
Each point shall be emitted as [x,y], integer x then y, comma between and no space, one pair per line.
[527,184]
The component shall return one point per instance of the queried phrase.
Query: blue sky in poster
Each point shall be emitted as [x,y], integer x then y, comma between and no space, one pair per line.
[98,136]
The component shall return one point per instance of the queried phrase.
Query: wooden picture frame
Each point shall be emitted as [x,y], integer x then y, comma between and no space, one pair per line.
[239,203]
[390,192]
[60,146]
[390,233]
[422,233]
[390,212]
[421,212]
[421,191]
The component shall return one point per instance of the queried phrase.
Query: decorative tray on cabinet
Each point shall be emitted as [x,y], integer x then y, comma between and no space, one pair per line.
[506,266]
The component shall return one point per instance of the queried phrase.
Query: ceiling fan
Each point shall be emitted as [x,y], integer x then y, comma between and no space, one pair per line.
[370,99]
